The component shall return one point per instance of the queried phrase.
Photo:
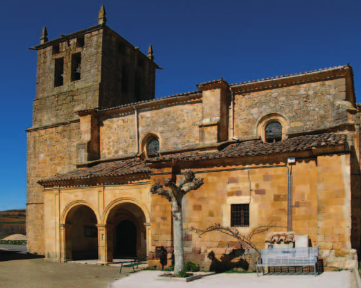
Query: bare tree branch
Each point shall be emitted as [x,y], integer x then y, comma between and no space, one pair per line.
[157,188]
[194,185]
[244,240]
[187,177]
[171,184]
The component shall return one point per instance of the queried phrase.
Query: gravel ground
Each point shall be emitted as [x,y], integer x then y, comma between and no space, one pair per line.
[33,271]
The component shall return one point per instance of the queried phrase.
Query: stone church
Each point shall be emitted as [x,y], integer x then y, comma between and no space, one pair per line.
[283,150]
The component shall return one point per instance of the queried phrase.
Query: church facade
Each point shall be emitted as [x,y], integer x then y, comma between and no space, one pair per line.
[282,150]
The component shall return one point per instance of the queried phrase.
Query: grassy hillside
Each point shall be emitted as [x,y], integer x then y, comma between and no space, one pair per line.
[13,222]
[13,216]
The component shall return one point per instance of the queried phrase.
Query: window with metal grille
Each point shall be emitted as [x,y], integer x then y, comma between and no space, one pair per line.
[273,132]
[239,215]
[153,147]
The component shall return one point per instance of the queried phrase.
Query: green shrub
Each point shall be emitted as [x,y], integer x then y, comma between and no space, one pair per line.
[182,274]
[191,267]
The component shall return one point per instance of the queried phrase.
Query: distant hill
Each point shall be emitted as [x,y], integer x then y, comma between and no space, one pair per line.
[13,221]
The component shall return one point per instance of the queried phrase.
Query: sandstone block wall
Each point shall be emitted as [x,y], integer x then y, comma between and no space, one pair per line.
[122,65]
[306,107]
[57,104]
[320,200]
[117,135]
[176,125]
[49,151]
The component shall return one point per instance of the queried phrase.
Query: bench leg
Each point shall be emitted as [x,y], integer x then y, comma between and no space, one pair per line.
[257,271]
[121,266]
[315,269]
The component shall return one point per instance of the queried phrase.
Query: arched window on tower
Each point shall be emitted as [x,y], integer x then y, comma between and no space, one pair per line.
[273,132]
[153,147]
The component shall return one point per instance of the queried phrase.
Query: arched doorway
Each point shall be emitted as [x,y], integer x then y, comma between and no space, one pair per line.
[127,237]
[82,234]
[126,240]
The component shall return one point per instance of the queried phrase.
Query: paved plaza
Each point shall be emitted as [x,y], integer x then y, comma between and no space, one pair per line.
[19,269]
[325,280]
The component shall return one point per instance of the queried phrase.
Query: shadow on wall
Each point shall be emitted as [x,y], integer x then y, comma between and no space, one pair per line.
[226,263]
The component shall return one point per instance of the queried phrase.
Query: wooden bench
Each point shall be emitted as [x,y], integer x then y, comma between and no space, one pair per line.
[284,257]
[131,263]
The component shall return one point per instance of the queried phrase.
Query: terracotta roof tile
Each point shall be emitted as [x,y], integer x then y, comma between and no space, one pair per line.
[106,169]
[234,150]
[259,148]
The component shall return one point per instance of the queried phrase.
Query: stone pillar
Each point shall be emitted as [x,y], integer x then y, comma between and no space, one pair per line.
[110,242]
[148,236]
[103,244]
[215,120]
[65,243]
[88,147]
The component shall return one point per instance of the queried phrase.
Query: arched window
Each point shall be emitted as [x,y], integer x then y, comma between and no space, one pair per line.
[273,132]
[153,147]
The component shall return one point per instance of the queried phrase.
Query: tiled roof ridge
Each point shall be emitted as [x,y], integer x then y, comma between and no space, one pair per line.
[260,148]
[285,76]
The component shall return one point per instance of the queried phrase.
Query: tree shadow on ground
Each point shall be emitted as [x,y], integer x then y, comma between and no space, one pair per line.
[6,255]
[226,263]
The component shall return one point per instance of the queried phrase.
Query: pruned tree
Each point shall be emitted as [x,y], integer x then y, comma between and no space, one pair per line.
[244,240]
[175,195]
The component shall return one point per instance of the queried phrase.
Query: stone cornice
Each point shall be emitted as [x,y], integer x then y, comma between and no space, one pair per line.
[294,79]
[191,97]
[51,125]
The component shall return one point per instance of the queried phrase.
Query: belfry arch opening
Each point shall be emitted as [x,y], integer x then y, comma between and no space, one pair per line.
[81,234]
[126,232]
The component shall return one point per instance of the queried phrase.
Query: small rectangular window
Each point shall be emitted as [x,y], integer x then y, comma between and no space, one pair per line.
[56,48]
[80,41]
[75,66]
[59,71]
[239,215]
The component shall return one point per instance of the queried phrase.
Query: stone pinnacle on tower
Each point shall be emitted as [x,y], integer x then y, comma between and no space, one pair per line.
[101,16]
[150,53]
[44,35]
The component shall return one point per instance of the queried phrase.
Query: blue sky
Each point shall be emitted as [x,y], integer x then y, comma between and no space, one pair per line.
[194,41]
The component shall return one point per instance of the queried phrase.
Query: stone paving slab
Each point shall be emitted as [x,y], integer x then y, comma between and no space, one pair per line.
[325,280]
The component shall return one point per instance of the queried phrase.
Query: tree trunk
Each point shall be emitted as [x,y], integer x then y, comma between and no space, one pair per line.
[178,242]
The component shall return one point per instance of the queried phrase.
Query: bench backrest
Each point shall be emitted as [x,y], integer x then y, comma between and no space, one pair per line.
[279,256]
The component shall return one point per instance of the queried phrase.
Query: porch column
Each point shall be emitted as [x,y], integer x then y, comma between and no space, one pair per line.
[148,238]
[65,242]
[102,244]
